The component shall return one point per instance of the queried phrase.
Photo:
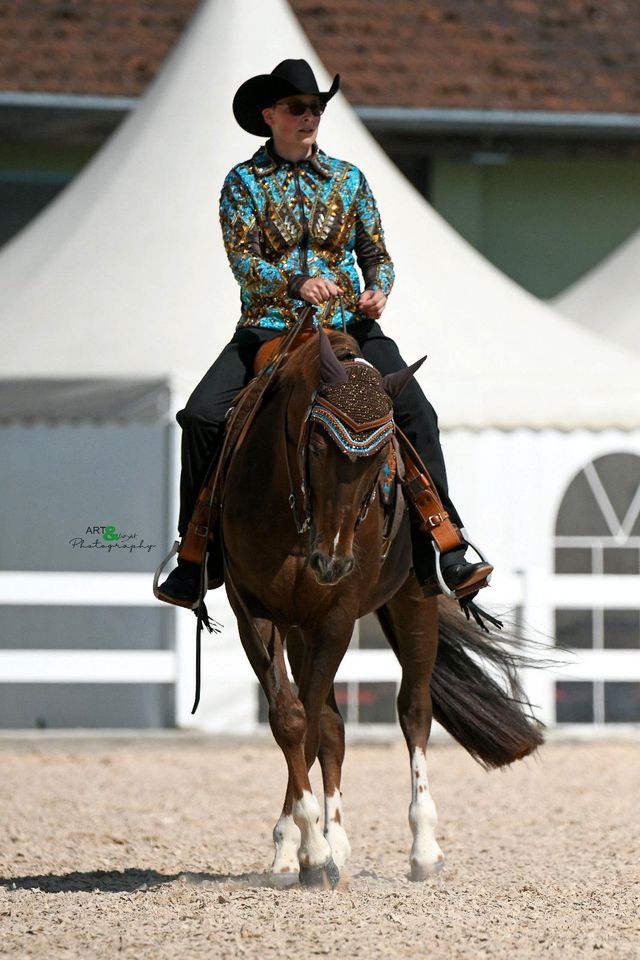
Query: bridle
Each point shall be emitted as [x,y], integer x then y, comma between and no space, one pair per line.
[301,517]
[351,438]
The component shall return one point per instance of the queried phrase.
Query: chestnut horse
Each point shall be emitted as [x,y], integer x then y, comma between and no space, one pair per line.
[302,532]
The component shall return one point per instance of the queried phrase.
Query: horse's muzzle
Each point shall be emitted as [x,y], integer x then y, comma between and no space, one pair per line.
[330,570]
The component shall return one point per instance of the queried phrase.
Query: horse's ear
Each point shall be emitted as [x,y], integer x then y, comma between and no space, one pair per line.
[394,383]
[331,370]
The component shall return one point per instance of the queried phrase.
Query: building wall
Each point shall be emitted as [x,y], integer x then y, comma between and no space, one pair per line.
[544,222]
[509,487]
[57,482]
[31,175]
[60,481]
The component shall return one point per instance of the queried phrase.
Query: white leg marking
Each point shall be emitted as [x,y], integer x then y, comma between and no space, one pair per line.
[426,856]
[314,849]
[334,830]
[286,837]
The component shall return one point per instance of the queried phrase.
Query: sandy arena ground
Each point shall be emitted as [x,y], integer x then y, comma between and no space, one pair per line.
[157,849]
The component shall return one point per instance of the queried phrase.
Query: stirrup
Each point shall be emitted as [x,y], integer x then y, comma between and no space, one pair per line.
[458,593]
[193,605]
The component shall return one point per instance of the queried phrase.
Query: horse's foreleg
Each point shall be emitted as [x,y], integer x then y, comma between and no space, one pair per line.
[298,839]
[314,670]
[331,756]
[307,813]
[411,625]
[297,835]
[299,842]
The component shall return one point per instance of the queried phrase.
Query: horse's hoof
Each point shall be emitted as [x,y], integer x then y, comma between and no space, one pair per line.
[339,843]
[326,875]
[282,881]
[424,871]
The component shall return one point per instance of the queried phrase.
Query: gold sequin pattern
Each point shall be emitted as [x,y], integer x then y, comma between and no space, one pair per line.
[361,398]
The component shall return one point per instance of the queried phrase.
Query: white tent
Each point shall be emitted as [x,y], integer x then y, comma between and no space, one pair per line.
[607,298]
[125,274]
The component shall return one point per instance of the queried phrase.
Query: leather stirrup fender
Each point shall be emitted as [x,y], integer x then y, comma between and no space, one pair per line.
[434,519]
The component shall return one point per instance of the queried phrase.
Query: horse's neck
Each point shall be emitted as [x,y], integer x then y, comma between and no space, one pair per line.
[298,391]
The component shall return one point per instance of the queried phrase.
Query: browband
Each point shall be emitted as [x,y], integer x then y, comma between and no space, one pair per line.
[361,440]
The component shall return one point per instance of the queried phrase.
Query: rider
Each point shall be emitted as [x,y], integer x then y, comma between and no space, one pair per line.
[292,219]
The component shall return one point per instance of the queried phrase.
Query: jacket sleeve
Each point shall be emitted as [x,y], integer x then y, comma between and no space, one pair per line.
[373,259]
[241,236]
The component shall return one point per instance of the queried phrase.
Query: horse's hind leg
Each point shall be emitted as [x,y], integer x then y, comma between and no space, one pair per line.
[411,625]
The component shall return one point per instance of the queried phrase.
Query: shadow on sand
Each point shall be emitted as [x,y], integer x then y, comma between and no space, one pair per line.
[123,881]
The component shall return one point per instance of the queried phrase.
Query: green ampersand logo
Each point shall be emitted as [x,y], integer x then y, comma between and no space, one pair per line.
[110,534]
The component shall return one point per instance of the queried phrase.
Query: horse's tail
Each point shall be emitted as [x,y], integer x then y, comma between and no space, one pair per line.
[476,693]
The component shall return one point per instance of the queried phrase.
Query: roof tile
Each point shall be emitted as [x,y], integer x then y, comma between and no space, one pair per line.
[520,54]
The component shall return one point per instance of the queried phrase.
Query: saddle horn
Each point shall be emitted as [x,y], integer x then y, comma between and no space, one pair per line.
[394,383]
[331,370]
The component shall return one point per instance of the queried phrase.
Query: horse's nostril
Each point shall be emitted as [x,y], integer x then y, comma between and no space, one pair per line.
[329,569]
[316,561]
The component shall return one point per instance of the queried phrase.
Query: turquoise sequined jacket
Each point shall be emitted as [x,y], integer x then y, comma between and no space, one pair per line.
[284,222]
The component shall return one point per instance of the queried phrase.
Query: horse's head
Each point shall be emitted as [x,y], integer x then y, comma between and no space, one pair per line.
[345,446]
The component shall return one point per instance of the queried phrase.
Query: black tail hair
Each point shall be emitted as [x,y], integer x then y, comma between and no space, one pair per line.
[491,718]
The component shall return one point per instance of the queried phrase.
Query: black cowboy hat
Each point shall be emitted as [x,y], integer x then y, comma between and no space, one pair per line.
[291,78]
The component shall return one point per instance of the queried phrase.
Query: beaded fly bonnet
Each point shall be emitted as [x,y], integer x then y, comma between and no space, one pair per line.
[356,414]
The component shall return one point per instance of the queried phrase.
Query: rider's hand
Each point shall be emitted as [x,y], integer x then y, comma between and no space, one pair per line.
[372,303]
[318,290]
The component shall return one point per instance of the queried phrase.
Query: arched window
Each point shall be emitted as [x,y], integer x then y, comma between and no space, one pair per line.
[598,533]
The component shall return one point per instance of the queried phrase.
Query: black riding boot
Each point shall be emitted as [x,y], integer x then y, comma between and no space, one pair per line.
[456,570]
[201,443]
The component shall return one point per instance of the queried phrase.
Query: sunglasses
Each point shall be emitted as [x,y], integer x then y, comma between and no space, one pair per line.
[298,107]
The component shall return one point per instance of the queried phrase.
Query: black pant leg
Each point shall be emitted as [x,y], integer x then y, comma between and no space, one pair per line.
[412,411]
[202,419]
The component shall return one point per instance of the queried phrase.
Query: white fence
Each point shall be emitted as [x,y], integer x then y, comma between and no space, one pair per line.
[229,676]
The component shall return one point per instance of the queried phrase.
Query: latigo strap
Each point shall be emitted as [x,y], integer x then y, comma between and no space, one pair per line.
[203,523]
[434,519]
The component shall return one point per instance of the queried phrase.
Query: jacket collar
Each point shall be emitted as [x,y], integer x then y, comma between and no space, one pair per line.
[266,161]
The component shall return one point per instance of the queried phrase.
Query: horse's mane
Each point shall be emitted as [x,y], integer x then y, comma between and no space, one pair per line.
[305,359]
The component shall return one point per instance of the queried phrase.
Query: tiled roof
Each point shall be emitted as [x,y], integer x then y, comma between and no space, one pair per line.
[510,54]
[109,47]
[518,54]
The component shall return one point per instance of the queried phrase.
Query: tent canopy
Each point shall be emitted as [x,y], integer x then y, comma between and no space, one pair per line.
[125,275]
[607,298]
[100,399]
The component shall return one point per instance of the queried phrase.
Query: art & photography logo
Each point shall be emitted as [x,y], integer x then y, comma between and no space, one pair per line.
[106,537]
